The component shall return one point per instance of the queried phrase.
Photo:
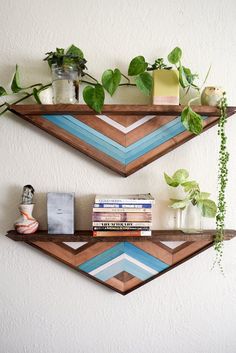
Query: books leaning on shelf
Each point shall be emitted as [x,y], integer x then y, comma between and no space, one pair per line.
[124,215]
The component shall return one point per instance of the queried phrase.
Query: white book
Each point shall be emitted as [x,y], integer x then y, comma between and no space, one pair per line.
[132,199]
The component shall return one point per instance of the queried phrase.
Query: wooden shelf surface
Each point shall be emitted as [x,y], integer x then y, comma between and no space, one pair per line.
[86,235]
[131,109]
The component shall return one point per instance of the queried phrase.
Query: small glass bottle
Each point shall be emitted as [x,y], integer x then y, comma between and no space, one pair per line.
[65,83]
[189,220]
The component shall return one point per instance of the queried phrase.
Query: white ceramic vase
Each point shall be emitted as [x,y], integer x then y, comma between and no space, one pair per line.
[26,223]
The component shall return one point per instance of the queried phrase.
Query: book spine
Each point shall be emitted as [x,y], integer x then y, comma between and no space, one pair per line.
[122,217]
[122,224]
[122,205]
[124,201]
[121,228]
[138,233]
[122,210]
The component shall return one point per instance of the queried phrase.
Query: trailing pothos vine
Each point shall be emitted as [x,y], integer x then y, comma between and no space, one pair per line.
[222,183]
[138,74]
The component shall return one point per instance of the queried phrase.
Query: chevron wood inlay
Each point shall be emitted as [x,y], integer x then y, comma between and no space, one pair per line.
[121,263]
[124,138]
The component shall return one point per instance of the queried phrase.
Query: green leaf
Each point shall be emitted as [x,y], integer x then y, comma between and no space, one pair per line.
[144,82]
[183,78]
[15,85]
[170,181]
[75,51]
[179,203]
[94,97]
[36,95]
[204,195]
[189,76]
[175,55]
[180,176]
[111,80]
[190,185]
[137,66]
[208,208]
[3,92]
[191,121]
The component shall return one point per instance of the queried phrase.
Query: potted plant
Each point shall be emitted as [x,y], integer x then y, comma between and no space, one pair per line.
[194,205]
[67,68]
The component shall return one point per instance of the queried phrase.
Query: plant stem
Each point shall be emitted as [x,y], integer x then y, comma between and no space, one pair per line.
[86,74]
[127,84]
[90,83]
[126,77]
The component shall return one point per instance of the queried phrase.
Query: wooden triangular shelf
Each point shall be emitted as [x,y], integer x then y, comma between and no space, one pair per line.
[122,263]
[124,138]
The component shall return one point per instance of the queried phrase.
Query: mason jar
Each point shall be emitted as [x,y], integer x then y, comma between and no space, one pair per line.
[65,84]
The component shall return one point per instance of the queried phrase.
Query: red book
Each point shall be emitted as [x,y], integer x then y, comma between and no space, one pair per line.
[123,233]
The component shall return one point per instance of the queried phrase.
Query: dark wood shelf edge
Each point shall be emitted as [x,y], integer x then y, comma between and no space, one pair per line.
[31,109]
[86,235]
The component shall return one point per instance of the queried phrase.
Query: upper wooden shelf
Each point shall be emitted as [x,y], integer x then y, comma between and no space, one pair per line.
[131,109]
[123,138]
[86,235]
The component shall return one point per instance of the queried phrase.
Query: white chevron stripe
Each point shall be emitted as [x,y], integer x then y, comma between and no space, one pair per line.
[120,258]
[122,128]
[75,244]
[172,244]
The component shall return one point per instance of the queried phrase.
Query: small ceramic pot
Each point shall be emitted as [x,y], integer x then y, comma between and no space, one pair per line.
[211,96]
[26,223]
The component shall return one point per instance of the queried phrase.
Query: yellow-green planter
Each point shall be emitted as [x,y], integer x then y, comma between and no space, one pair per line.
[166,87]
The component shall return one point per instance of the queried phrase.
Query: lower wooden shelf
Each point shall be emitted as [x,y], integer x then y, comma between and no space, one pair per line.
[121,263]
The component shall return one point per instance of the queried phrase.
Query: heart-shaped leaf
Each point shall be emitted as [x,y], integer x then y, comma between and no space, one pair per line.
[190,185]
[94,97]
[191,120]
[137,66]
[179,203]
[183,80]
[15,85]
[75,51]
[175,55]
[111,80]
[170,181]
[181,175]
[208,208]
[144,82]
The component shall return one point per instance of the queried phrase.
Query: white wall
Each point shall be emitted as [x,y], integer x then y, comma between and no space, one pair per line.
[46,307]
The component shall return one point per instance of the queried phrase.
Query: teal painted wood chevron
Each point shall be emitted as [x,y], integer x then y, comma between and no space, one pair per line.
[124,155]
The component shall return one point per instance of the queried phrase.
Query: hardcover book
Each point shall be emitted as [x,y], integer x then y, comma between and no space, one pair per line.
[60,213]
[123,199]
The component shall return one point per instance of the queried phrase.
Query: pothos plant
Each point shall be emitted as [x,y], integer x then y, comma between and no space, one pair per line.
[111,79]
[193,193]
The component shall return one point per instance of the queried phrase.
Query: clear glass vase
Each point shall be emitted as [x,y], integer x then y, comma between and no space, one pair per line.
[65,84]
[189,220]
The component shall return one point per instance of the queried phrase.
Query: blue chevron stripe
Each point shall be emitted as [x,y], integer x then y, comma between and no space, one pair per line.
[117,250]
[144,257]
[124,155]
[103,258]
[123,265]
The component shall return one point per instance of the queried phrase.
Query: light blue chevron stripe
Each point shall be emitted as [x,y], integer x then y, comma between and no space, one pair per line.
[124,155]
[103,258]
[144,257]
[123,265]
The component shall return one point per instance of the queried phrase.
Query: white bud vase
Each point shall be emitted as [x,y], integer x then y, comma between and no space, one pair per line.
[26,223]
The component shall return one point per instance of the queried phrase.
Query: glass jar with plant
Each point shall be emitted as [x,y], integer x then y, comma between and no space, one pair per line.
[67,67]
[194,205]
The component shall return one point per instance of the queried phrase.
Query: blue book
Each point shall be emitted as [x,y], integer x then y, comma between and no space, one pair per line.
[122,205]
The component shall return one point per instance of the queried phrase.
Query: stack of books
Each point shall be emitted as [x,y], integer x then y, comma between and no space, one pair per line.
[128,215]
